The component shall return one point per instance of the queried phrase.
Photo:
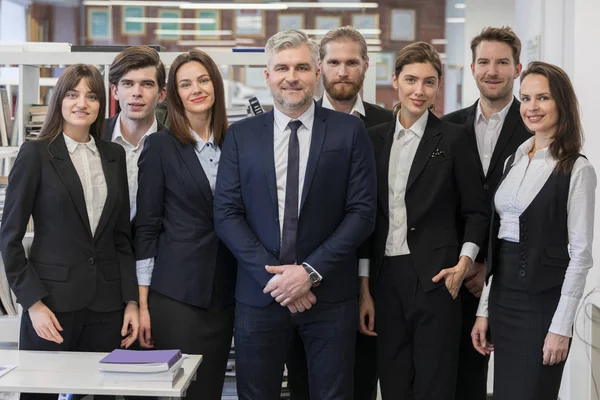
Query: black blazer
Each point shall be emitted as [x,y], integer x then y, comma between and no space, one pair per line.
[374,114]
[512,135]
[439,186]
[68,267]
[174,224]
[109,127]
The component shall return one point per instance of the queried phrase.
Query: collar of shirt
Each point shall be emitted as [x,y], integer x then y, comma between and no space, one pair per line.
[358,106]
[524,149]
[201,143]
[418,128]
[117,132]
[307,118]
[73,144]
[501,115]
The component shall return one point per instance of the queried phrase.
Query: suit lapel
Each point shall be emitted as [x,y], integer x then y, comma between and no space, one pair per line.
[190,159]
[110,168]
[383,166]
[470,127]
[266,141]
[429,141]
[61,160]
[316,143]
[109,128]
[508,128]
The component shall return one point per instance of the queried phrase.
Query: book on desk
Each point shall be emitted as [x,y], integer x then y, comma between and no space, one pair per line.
[157,368]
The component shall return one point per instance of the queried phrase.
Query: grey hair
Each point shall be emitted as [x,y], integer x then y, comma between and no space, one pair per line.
[290,40]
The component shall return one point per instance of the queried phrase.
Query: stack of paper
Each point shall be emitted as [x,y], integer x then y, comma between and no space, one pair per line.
[159,369]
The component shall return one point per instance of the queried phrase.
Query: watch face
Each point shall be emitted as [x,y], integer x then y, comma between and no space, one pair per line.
[314,278]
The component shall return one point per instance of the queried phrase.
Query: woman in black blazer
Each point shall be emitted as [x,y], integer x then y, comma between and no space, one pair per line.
[187,297]
[78,285]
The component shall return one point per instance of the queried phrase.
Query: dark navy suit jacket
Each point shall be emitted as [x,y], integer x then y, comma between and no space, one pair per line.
[174,225]
[337,205]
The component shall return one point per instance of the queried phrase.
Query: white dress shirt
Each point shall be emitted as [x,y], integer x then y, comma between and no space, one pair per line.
[132,155]
[358,109]
[404,147]
[518,190]
[487,133]
[87,163]
[281,142]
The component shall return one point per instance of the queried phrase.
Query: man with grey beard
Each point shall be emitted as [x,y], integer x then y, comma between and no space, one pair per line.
[344,63]
[295,197]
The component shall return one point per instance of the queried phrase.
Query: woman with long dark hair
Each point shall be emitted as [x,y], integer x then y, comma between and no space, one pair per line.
[540,245]
[78,286]
[190,293]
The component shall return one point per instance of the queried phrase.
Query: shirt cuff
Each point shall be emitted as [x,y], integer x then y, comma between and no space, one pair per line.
[363,267]
[469,249]
[482,308]
[313,270]
[564,316]
[143,269]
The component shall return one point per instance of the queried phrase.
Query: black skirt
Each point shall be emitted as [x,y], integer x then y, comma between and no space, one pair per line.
[519,323]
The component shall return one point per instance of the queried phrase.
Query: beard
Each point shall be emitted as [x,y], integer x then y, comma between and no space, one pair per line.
[342,92]
[502,93]
[292,104]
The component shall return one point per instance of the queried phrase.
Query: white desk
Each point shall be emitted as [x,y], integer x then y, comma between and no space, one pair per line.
[76,373]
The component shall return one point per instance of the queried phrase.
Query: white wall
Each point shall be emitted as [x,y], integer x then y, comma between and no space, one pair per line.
[455,50]
[583,60]
[12,28]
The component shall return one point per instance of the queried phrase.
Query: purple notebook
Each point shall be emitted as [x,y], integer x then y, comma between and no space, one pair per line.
[120,356]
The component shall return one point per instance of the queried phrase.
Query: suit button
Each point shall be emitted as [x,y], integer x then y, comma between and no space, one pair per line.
[486,187]
[522,273]
[91,261]
[523,264]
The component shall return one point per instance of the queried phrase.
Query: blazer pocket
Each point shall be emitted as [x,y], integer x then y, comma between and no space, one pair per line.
[438,160]
[556,256]
[49,272]
[111,272]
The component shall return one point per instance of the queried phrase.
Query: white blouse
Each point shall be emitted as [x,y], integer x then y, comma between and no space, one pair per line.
[87,163]
[517,191]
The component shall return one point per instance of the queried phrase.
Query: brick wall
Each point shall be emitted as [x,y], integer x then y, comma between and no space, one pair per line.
[430,24]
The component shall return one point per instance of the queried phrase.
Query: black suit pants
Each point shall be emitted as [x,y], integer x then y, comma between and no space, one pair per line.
[365,368]
[472,366]
[83,330]
[418,335]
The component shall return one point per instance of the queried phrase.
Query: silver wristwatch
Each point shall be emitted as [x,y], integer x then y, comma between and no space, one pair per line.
[313,276]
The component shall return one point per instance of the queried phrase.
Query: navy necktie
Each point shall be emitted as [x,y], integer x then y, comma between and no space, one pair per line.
[287,253]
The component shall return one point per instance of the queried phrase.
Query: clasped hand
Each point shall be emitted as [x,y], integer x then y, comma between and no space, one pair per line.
[290,287]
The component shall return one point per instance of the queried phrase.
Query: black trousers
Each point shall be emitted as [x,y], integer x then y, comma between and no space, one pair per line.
[194,330]
[83,330]
[365,368]
[519,322]
[471,383]
[418,335]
